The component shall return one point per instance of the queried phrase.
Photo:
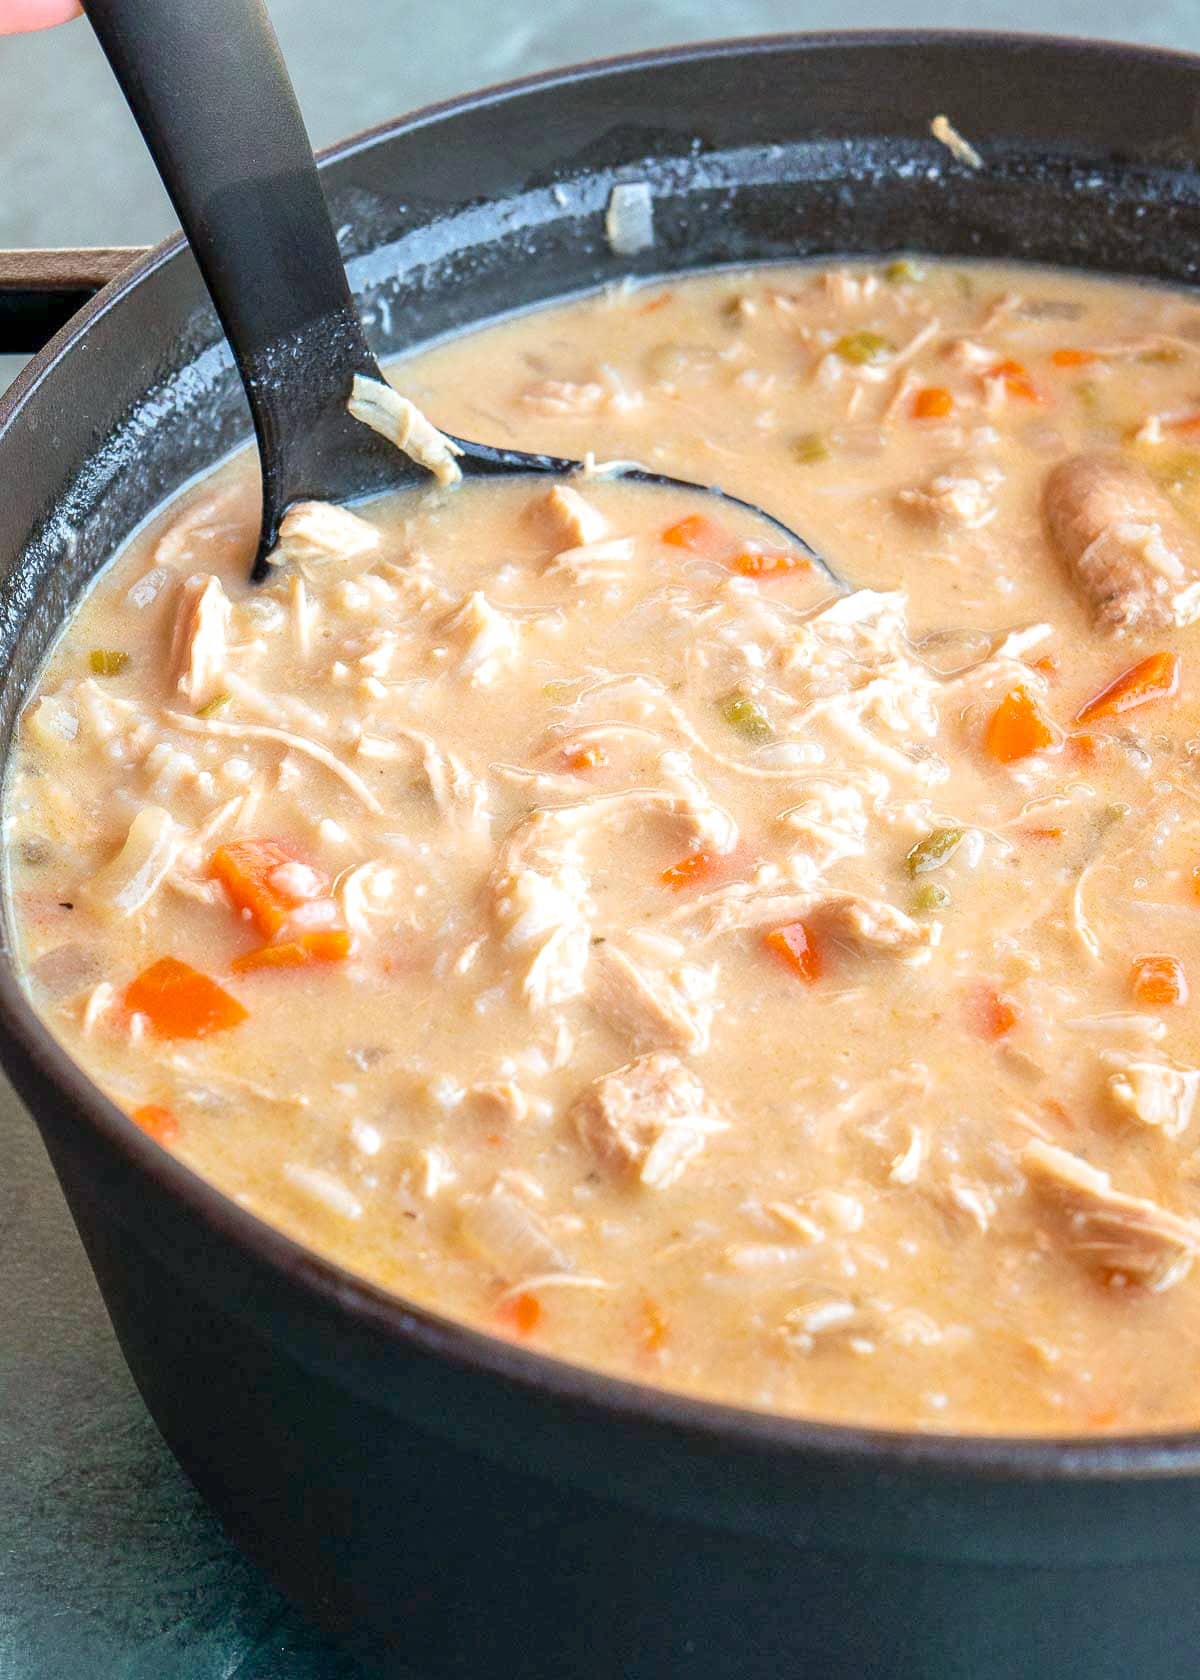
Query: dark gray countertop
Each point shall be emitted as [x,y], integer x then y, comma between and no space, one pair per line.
[109,1563]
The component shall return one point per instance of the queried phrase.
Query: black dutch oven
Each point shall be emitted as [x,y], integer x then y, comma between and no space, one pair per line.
[450,1502]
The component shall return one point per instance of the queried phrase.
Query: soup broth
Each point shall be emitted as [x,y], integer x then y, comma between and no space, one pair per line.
[560,905]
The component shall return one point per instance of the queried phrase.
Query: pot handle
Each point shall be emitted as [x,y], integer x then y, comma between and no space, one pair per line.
[41,290]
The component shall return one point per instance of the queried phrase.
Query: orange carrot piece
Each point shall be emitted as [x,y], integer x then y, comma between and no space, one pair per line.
[655,303]
[689,870]
[180,1002]
[933,402]
[1048,665]
[698,533]
[1016,379]
[1017,728]
[1058,1111]
[1084,749]
[245,868]
[521,1313]
[795,946]
[585,758]
[320,945]
[991,1014]
[156,1121]
[1073,358]
[1154,678]
[1042,833]
[655,1326]
[756,562]
[1158,982]
[1189,423]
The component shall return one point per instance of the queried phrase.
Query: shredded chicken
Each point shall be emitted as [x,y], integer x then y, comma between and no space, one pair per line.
[871,924]
[200,643]
[1119,1236]
[297,743]
[316,535]
[653,1010]
[458,795]
[403,424]
[646,1120]
[568,519]
[486,636]
[944,131]
[1152,1092]
[1123,543]
[965,499]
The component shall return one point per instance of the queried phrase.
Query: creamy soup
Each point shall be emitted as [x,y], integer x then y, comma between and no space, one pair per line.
[561,906]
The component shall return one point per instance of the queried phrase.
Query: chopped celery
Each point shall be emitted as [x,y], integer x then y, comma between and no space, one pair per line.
[934,850]
[744,714]
[930,896]
[108,662]
[217,704]
[902,269]
[863,346]
[809,447]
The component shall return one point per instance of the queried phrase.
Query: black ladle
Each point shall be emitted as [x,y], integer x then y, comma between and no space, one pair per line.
[209,90]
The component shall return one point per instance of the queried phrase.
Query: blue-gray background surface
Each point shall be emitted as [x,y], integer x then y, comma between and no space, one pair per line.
[109,1565]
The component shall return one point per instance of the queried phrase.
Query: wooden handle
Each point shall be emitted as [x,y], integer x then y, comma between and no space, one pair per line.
[41,290]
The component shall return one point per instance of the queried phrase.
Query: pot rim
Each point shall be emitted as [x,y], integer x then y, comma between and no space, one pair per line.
[544,1376]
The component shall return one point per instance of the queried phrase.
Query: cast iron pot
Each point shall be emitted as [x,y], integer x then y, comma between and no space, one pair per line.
[452,1503]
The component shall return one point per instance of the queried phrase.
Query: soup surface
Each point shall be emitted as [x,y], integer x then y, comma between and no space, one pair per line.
[563,908]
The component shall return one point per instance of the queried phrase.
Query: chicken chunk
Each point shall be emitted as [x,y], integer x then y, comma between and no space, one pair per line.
[1119,1236]
[317,535]
[1122,543]
[486,636]
[200,640]
[401,422]
[871,924]
[1153,1093]
[951,498]
[646,1120]
[649,1008]
[567,518]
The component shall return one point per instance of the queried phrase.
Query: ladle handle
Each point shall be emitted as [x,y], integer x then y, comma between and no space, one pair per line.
[209,90]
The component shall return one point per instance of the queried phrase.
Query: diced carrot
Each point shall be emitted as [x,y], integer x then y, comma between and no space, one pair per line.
[1084,749]
[585,758]
[1017,728]
[521,1313]
[766,562]
[689,870]
[1073,358]
[180,1002]
[156,1121]
[1158,982]
[932,402]
[1042,833]
[991,1014]
[794,945]
[1016,380]
[1048,666]
[245,869]
[655,1326]
[1058,1111]
[320,945]
[1189,423]
[698,533]
[655,303]
[1154,678]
